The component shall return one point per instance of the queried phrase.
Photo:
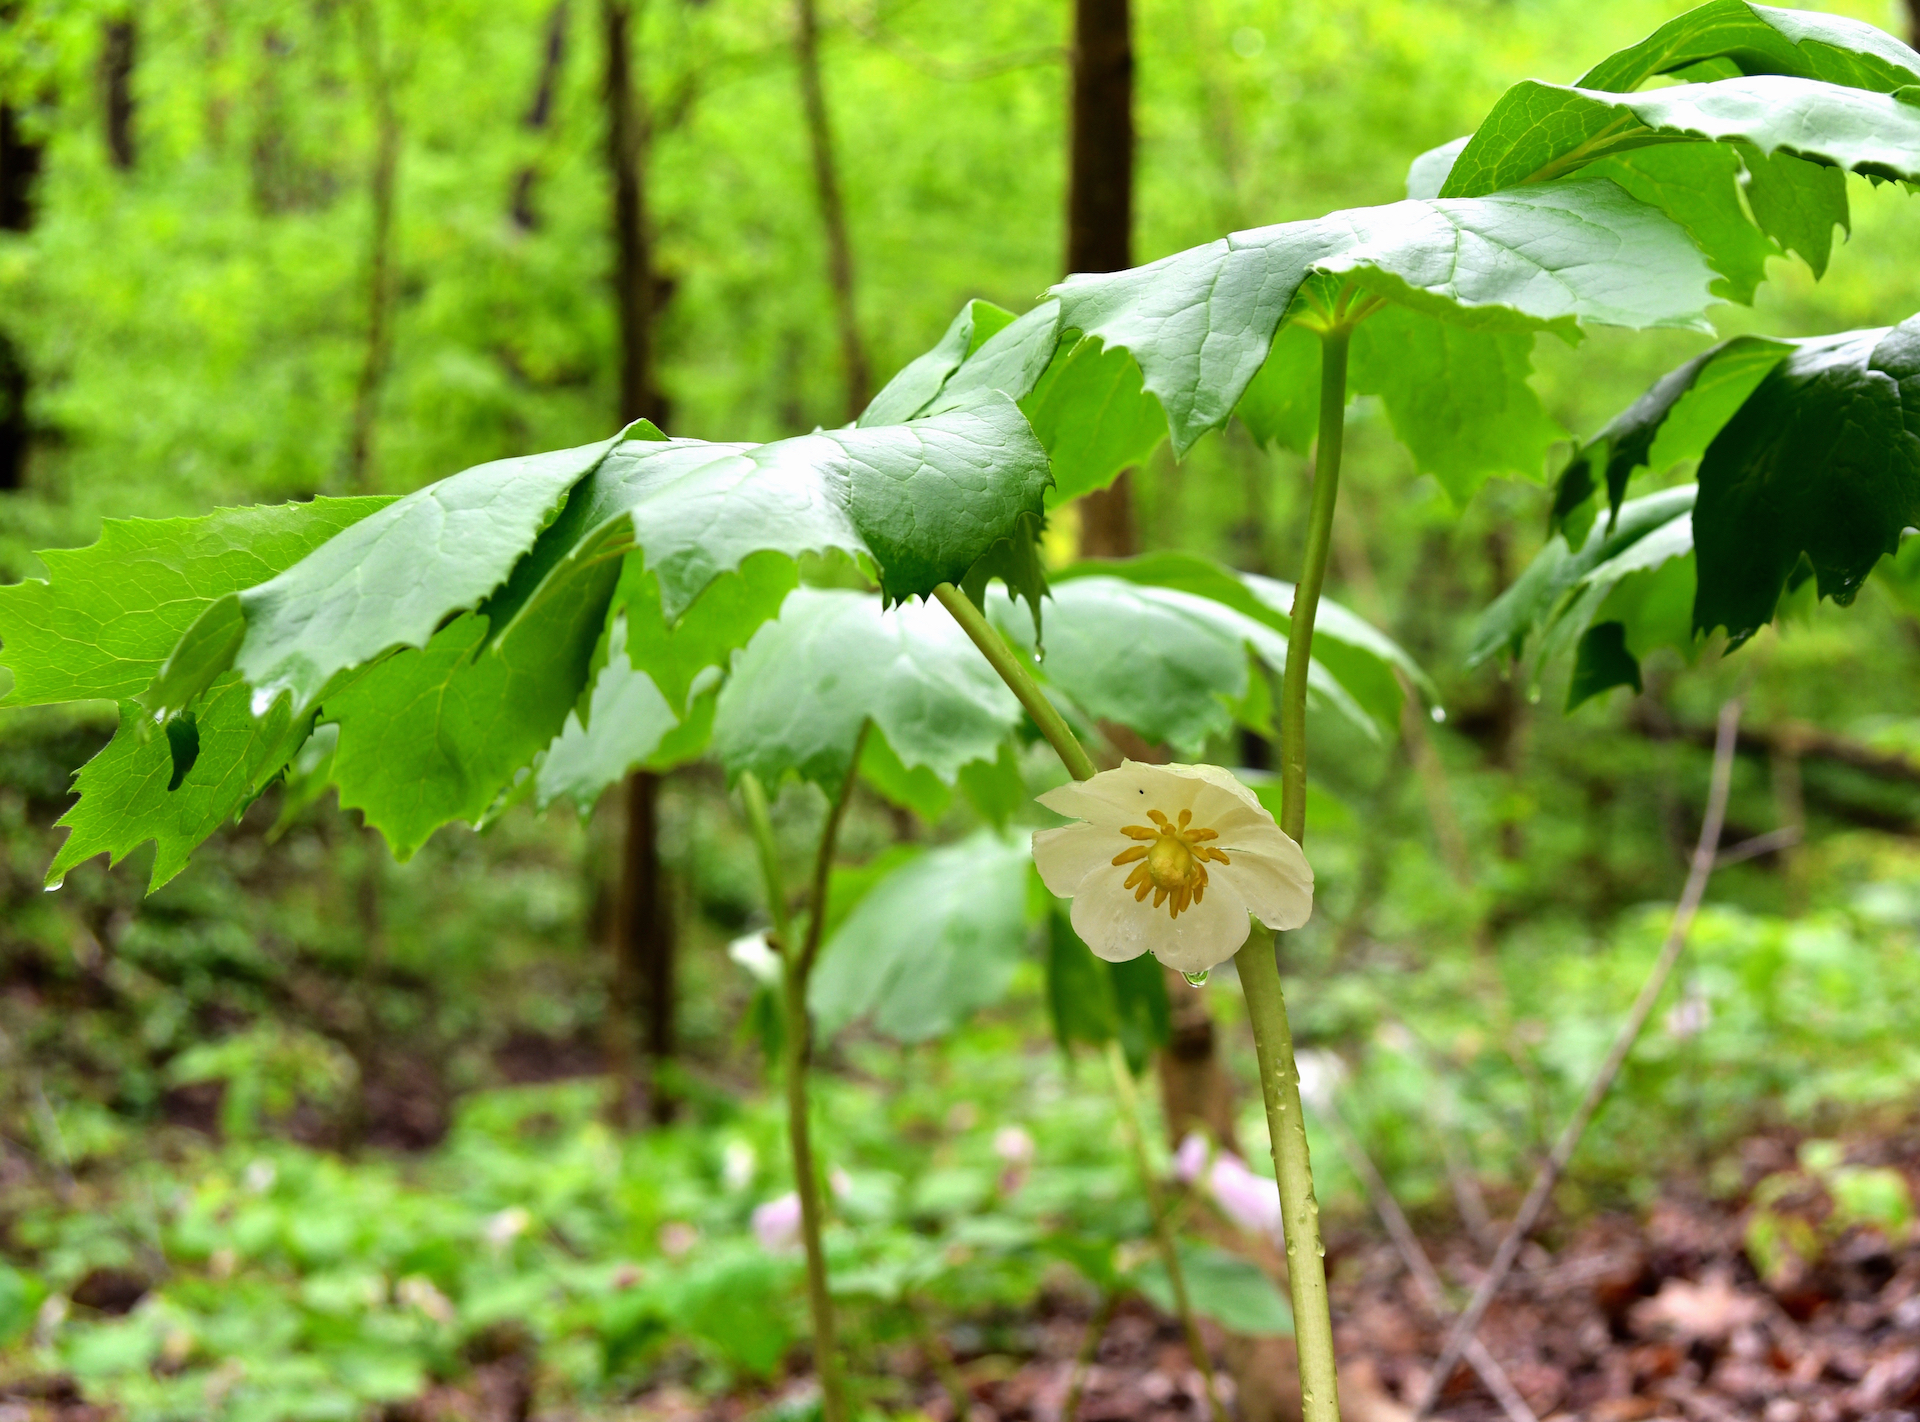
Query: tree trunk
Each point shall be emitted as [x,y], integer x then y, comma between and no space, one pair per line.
[19,166]
[1100,212]
[833,213]
[539,115]
[1913,23]
[381,182]
[643,940]
[118,41]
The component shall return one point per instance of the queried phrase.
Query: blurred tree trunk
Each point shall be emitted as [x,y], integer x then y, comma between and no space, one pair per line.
[1100,211]
[377,356]
[19,166]
[833,213]
[539,115]
[119,40]
[1913,23]
[643,940]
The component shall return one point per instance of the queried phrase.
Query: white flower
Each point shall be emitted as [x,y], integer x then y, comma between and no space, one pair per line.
[1013,1145]
[1193,838]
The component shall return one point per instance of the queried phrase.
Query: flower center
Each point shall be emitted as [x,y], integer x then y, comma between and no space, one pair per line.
[1171,862]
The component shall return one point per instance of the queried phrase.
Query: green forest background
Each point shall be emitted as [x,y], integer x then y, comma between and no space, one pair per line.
[343,1118]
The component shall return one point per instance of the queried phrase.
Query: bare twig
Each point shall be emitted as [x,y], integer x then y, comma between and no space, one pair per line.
[1433,1293]
[1783,838]
[1089,1349]
[1704,855]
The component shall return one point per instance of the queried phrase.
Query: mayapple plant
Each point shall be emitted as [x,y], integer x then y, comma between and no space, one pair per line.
[538,625]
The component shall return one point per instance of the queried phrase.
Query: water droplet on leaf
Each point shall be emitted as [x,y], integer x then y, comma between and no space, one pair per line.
[1439,714]
[1198,979]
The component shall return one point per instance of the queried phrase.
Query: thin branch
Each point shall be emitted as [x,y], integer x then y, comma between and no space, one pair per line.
[1432,1292]
[867,24]
[1704,855]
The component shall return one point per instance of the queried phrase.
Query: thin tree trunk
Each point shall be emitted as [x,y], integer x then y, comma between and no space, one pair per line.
[643,947]
[119,41]
[377,355]
[19,166]
[539,115]
[1100,212]
[833,212]
[1913,23]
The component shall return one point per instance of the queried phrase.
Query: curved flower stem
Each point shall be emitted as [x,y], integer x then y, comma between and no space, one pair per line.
[1259,974]
[1123,1087]
[1013,671]
[797,967]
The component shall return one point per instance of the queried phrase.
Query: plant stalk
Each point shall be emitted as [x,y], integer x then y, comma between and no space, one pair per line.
[1123,1087]
[1259,973]
[1013,671]
[796,967]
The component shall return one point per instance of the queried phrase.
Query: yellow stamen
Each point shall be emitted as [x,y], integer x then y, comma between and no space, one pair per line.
[1173,865]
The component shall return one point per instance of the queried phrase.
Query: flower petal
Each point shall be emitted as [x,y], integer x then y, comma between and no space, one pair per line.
[1121,796]
[1274,881]
[1116,927]
[1065,856]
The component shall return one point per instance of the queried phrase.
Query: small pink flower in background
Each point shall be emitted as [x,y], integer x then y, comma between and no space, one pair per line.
[1013,1145]
[1250,1201]
[677,1237]
[776,1224]
[1191,1158]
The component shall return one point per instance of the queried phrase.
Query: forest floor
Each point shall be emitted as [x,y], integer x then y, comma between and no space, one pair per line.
[1659,1316]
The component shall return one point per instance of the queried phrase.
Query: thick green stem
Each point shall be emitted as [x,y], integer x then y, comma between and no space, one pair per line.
[796,967]
[1299,1211]
[1259,974]
[1306,595]
[1123,1088]
[1013,671]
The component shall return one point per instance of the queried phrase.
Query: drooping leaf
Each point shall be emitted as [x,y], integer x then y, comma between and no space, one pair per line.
[395,577]
[806,683]
[1673,421]
[1538,132]
[1601,662]
[931,944]
[1699,185]
[1822,461]
[108,614]
[1540,591]
[1762,39]
[1234,1292]
[138,788]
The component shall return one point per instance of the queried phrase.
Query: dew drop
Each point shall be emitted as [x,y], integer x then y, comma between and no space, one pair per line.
[55,888]
[1533,697]
[1439,714]
[1198,979]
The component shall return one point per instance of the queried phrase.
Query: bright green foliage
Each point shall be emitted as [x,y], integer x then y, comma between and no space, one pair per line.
[835,660]
[930,944]
[1090,412]
[1231,1290]
[105,619]
[132,791]
[1539,132]
[1761,39]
